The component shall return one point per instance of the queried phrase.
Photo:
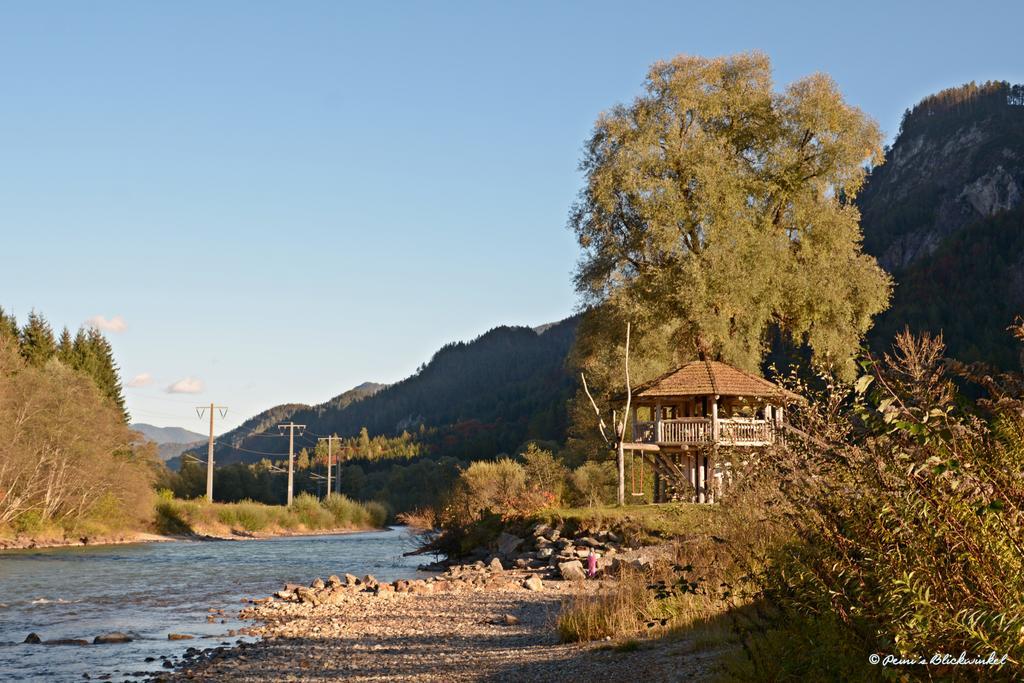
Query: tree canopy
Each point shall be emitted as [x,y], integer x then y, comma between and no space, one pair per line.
[717,212]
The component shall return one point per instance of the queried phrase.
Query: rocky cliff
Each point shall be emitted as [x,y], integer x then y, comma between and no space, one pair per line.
[945,216]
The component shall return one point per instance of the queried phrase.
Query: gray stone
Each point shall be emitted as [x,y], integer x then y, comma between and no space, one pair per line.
[113,637]
[508,544]
[542,530]
[572,571]
[495,565]
[533,584]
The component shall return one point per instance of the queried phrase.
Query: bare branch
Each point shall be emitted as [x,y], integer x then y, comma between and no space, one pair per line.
[600,420]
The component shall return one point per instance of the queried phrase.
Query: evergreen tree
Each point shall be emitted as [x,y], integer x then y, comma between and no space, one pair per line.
[36,341]
[8,326]
[91,354]
[66,348]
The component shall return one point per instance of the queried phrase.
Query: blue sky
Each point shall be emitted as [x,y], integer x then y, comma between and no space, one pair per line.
[282,200]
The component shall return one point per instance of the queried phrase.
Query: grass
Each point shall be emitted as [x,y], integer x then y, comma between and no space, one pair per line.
[643,524]
[306,513]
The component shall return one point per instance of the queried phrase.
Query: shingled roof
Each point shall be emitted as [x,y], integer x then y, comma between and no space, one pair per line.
[710,378]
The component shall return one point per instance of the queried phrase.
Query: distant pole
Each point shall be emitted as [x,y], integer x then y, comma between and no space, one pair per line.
[330,451]
[291,455]
[209,453]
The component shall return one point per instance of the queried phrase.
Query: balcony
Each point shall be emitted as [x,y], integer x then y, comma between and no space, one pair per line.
[699,431]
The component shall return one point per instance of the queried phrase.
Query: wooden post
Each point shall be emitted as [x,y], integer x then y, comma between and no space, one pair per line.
[701,477]
[657,423]
[635,433]
[691,467]
[714,419]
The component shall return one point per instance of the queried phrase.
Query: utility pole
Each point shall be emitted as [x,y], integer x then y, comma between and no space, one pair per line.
[209,453]
[330,443]
[291,455]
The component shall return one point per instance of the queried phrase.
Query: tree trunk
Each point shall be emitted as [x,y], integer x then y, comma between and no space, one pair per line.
[622,474]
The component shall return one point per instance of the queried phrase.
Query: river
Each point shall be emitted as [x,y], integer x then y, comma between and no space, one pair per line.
[149,590]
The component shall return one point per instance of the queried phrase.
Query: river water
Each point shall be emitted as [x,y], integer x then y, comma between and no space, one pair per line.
[148,590]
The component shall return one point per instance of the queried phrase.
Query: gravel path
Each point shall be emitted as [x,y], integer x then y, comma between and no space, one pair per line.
[463,636]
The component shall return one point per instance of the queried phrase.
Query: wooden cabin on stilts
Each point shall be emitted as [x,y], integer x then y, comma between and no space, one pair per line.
[692,421]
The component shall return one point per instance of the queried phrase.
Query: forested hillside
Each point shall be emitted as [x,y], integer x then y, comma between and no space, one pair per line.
[473,399]
[944,215]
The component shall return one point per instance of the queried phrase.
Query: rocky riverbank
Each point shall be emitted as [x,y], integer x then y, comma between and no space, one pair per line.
[40,542]
[492,619]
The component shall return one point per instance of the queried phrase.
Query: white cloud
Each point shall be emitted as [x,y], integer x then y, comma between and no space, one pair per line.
[115,324]
[189,385]
[142,380]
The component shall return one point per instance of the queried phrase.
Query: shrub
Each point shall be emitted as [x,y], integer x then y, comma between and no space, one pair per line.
[498,486]
[377,513]
[346,512]
[906,511]
[310,513]
[544,475]
[170,516]
[595,482]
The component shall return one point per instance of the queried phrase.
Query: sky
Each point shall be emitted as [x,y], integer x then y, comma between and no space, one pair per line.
[269,202]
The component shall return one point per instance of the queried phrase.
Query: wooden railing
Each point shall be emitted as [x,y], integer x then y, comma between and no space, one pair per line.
[745,431]
[736,431]
[686,430]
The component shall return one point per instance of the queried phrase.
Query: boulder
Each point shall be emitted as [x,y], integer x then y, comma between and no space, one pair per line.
[542,530]
[66,641]
[351,580]
[178,636]
[495,565]
[32,639]
[333,597]
[508,544]
[588,541]
[333,581]
[533,584]
[370,580]
[509,619]
[113,637]
[317,584]
[401,586]
[572,571]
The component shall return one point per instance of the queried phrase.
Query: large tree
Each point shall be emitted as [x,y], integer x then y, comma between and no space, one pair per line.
[717,212]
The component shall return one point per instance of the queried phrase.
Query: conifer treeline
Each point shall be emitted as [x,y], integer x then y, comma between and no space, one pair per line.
[88,352]
[990,97]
